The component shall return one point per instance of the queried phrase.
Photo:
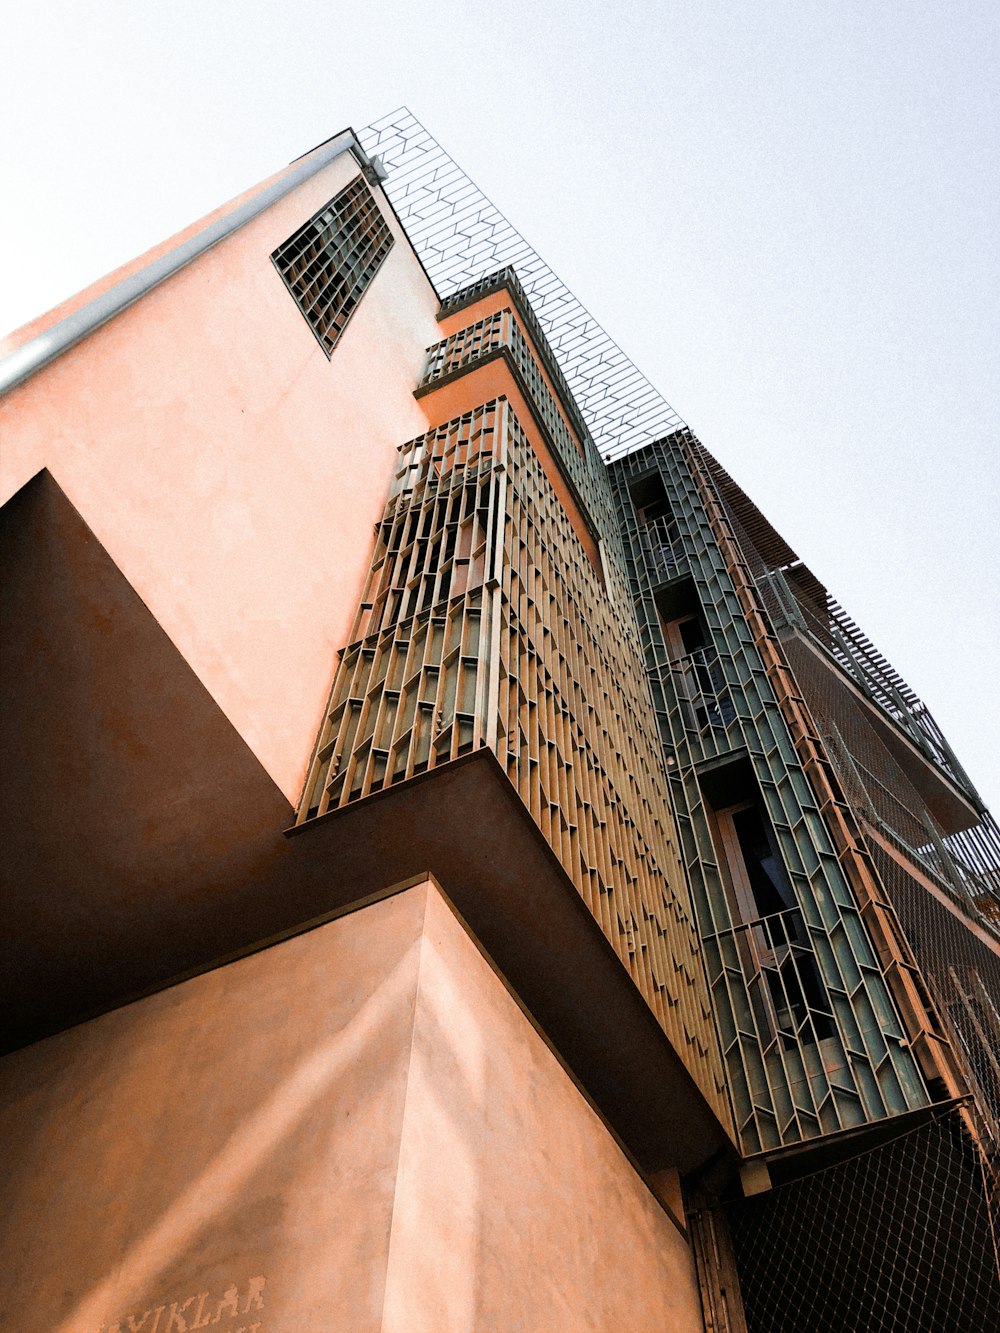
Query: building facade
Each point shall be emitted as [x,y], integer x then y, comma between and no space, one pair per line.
[466,871]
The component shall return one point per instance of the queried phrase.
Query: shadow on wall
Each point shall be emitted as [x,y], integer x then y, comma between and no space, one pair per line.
[166,1188]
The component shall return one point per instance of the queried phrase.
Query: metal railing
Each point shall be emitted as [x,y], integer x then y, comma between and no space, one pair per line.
[706,701]
[662,547]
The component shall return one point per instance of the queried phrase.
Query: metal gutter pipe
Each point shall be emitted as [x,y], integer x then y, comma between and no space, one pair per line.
[21,364]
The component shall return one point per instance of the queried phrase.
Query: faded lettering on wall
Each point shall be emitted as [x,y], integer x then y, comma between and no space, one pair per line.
[227,1313]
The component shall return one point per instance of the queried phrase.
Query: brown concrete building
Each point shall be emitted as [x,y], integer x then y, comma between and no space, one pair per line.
[464,871]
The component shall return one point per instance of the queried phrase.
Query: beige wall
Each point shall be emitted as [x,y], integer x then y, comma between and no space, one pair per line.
[230,470]
[363,1118]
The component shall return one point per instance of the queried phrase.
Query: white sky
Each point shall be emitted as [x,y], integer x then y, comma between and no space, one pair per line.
[786,212]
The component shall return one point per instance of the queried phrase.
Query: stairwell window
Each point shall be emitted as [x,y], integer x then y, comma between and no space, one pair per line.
[329,262]
[773,937]
[756,871]
[698,674]
[659,535]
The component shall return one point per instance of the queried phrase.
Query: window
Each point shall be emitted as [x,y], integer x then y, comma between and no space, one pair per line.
[760,883]
[659,535]
[777,944]
[329,262]
[698,675]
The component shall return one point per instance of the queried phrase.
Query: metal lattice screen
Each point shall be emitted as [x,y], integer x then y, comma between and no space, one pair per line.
[813,1040]
[484,622]
[462,237]
[792,594]
[896,1240]
[962,973]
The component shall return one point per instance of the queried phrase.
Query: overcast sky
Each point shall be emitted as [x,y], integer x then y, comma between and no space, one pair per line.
[785,212]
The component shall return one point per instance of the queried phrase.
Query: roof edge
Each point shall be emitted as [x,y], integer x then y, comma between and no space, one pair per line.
[52,342]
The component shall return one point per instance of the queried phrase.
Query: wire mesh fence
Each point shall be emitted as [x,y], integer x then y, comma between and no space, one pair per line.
[962,973]
[461,237]
[899,1239]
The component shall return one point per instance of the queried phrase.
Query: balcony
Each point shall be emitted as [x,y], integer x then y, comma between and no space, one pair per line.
[499,334]
[796,1047]
[705,712]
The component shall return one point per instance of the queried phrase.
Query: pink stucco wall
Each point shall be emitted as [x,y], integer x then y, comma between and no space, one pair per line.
[516,1211]
[355,1131]
[231,471]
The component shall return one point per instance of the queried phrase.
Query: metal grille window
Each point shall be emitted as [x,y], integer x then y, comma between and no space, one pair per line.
[329,262]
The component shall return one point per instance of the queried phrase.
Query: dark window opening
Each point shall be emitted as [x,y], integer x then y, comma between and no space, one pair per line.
[659,535]
[648,492]
[692,634]
[659,508]
[774,945]
[769,883]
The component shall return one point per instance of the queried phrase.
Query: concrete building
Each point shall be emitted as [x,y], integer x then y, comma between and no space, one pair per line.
[465,871]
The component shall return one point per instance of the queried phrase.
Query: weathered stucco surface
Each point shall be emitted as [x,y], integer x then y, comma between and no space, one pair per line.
[231,471]
[354,1131]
